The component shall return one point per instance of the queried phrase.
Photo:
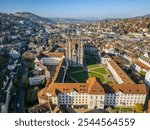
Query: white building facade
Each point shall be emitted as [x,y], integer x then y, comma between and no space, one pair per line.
[116,95]
[75,99]
[105,59]
[120,99]
[36,79]
[114,73]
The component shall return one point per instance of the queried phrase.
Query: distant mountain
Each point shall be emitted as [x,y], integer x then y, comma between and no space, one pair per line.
[55,20]
[34,17]
[69,20]
[148,15]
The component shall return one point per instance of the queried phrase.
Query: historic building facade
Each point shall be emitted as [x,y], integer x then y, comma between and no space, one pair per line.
[74,52]
[93,95]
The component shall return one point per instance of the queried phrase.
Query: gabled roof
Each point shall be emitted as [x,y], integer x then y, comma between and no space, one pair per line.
[94,87]
[66,88]
[91,86]
[50,54]
[126,88]
[121,73]
[61,45]
[142,65]
[53,54]
[106,56]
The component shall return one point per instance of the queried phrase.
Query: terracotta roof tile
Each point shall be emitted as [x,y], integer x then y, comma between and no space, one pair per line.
[106,56]
[126,88]
[142,65]
[53,54]
[121,73]
[91,87]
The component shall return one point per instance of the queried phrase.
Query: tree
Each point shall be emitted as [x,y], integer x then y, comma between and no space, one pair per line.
[16,82]
[25,81]
[14,89]
[36,89]
[129,71]
[138,107]
[15,86]
[142,73]
[43,82]
[31,65]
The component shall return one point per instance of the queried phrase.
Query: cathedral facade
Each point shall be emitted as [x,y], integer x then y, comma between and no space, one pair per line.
[73,49]
[74,52]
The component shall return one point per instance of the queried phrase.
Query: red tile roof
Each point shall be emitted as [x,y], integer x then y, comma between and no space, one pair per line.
[121,73]
[142,65]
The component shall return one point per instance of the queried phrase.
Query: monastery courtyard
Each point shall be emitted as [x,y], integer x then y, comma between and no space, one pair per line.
[92,68]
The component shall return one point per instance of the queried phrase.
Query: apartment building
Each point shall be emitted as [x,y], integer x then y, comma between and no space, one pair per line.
[143,63]
[105,59]
[36,80]
[47,67]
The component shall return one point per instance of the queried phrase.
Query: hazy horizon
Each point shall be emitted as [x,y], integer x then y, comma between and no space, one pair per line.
[79,9]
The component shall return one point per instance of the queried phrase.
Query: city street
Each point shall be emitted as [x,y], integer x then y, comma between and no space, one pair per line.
[20,101]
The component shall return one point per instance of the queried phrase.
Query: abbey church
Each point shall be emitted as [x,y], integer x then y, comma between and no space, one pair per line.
[73,49]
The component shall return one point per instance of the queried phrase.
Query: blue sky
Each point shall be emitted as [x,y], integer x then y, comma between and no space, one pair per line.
[78,8]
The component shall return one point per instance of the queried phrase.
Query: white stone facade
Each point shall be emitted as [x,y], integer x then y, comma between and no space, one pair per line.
[105,60]
[114,73]
[124,100]
[117,99]
[73,99]
[50,60]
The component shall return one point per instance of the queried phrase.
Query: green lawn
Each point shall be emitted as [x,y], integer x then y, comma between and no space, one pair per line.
[92,74]
[125,109]
[100,70]
[109,82]
[90,61]
[73,69]
[81,77]
[92,66]
[71,81]
[95,70]
[91,55]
